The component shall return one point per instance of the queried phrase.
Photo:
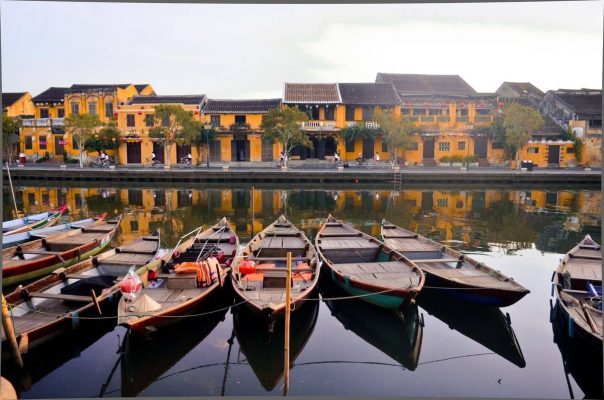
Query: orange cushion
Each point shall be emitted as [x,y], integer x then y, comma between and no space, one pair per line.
[256,277]
[264,266]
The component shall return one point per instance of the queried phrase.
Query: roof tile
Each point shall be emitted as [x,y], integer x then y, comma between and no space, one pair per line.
[317,93]
[369,94]
[407,84]
[255,106]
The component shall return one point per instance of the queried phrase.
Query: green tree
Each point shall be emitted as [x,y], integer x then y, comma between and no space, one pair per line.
[106,138]
[10,136]
[519,123]
[173,124]
[397,131]
[82,127]
[203,136]
[284,126]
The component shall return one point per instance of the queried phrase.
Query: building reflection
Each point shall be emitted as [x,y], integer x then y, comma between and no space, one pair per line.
[469,220]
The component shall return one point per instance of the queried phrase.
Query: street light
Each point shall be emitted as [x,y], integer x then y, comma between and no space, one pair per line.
[206,130]
[470,127]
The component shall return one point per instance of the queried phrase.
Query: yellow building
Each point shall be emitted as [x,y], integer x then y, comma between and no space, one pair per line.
[238,127]
[136,117]
[17,104]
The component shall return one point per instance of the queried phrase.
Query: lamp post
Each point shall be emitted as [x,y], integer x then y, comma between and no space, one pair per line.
[207,145]
[470,127]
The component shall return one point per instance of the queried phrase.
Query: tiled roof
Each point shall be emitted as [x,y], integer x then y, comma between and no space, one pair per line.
[549,127]
[584,101]
[78,88]
[141,86]
[317,93]
[8,99]
[177,99]
[51,95]
[368,94]
[257,106]
[426,84]
[524,88]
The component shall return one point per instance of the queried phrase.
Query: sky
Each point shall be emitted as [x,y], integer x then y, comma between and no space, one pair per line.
[249,51]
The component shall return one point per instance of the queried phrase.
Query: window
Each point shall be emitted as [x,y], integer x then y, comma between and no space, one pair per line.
[92,108]
[165,120]
[419,111]
[462,111]
[368,113]
[149,120]
[444,146]
[240,119]
[442,202]
[595,123]
[313,112]
[42,142]
[350,146]
[405,111]
[28,142]
[215,120]
[461,145]
[130,120]
[75,108]
[349,113]
[61,112]
[533,150]
[329,113]
[43,112]
[570,150]
[384,145]
[109,110]
[134,226]
[31,198]
[434,111]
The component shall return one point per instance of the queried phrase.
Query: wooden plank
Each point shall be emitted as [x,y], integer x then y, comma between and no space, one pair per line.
[65,297]
[53,253]
[435,260]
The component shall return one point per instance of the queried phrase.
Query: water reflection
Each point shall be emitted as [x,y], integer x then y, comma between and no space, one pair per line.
[264,350]
[485,325]
[580,359]
[396,334]
[471,219]
[145,358]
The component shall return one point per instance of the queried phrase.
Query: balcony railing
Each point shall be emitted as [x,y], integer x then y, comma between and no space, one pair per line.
[239,126]
[58,121]
[443,118]
[368,124]
[43,122]
[461,118]
[319,125]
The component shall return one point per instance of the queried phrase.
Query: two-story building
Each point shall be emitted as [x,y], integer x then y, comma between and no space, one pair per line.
[238,129]
[136,117]
[446,109]
[579,110]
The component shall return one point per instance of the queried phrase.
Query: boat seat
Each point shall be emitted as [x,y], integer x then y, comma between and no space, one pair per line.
[435,260]
[66,297]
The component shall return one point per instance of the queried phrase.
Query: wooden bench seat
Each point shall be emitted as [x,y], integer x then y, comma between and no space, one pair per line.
[57,296]
[435,260]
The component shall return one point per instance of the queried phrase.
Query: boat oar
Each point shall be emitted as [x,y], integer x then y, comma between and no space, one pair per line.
[12,191]
[7,325]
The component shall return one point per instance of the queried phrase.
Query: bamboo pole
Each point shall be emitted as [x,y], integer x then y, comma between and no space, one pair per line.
[12,191]
[7,325]
[253,212]
[288,279]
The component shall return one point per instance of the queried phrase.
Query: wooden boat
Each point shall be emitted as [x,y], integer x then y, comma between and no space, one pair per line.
[45,308]
[398,334]
[263,349]
[146,358]
[463,276]
[578,358]
[485,325]
[40,257]
[364,266]
[34,221]
[175,294]
[263,289]
[578,288]
[18,238]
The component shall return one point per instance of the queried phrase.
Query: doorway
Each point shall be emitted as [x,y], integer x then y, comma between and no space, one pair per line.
[368,146]
[59,149]
[428,152]
[240,150]
[133,153]
[553,156]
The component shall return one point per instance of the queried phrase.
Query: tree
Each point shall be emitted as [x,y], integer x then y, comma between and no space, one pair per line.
[519,123]
[10,136]
[284,126]
[173,124]
[397,131]
[202,137]
[107,138]
[82,127]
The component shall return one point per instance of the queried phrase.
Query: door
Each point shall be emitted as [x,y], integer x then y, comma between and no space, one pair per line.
[240,150]
[480,146]
[133,153]
[158,149]
[59,149]
[427,201]
[428,148]
[267,151]
[182,152]
[553,155]
[368,148]
[215,150]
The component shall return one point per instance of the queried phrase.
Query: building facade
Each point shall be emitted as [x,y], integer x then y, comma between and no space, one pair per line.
[17,104]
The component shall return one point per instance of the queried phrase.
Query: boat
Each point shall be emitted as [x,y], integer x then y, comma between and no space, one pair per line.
[203,263]
[146,358]
[483,324]
[578,290]
[263,349]
[18,238]
[49,306]
[34,221]
[40,257]
[462,276]
[396,333]
[578,358]
[258,276]
[365,267]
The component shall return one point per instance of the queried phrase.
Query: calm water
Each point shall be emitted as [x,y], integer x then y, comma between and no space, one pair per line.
[439,348]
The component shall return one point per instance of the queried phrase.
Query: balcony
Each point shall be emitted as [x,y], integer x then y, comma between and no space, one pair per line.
[57,121]
[240,126]
[319,125]
[368,124]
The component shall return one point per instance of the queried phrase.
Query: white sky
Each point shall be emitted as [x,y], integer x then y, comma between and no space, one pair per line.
[249,51]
